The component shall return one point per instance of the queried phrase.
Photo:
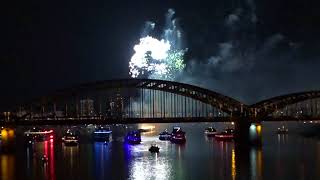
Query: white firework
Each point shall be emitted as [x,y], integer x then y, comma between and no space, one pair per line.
[159,59]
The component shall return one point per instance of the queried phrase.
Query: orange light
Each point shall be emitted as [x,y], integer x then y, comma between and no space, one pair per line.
[4,134]
[259,129]
[11,133]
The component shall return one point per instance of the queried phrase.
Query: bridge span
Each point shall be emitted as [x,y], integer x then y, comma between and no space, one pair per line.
[158,100]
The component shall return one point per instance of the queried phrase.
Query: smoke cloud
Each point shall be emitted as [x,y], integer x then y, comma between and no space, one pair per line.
[241,64]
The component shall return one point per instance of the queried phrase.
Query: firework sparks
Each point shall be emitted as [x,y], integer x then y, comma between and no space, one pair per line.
[159,59]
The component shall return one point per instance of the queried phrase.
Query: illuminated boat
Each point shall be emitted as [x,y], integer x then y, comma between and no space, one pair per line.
[177,135]
[102,134]
[165,136]
[44,159]
[226,135]
[133,137]
[282,130]
[70,138]
[210,132]
[154,148]
[38,134]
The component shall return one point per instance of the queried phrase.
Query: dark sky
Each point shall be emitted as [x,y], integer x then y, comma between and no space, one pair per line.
[49,45]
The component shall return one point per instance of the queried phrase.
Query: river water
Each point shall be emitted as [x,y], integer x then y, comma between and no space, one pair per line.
[290,156]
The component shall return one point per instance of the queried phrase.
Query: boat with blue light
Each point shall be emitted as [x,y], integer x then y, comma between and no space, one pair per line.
[102,134]
[165,135]
[133,137]
[178,136]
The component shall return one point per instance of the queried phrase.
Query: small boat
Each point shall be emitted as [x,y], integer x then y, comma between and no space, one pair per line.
[44,159]
[177,135]
[282,130]
[226,135]
[154,148]
[133,137]
[210,132]
[165,136]
[38,134]
[70,138]
[102,134]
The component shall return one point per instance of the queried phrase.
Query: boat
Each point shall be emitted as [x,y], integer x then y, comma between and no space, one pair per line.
[44,159]
[165,136]
[102,134]
[38,134]
[177,135]
[282,130]
[154,148]
[210,132]
[226,135]
[133,137]
[70,138]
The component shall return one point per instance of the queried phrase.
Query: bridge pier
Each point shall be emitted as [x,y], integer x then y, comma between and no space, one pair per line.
[247,133]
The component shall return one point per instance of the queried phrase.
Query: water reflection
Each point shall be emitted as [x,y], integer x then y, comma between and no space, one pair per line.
[7,167]
[282,138]
[71,159]
[256,163]
[279,157]
[145,165]
[152,167]
[102,156]
[233,164]
[49,167]
[247,162]
[36,166]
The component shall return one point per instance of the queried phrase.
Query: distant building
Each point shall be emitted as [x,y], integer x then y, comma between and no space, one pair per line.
[87,107]
[21,113]
[60,113]
[116,106]
[6,115]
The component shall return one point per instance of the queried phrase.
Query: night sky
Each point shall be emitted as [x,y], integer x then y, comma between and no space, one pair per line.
[49,45]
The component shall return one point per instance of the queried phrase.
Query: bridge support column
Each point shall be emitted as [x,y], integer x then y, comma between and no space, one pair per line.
[242,132]
[247,133]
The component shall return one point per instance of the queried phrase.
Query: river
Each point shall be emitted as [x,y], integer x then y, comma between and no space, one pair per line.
[290,156]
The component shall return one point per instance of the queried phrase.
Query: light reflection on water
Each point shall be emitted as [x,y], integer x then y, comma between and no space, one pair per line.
[7,167]
[145,165]
[279,157]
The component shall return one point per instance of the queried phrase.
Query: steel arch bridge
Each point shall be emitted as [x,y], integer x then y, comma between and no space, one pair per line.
[161,94]
[222,102]
[146,87]
[287,102]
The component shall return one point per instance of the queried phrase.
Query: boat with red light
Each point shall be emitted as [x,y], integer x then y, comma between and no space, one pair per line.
[226,135]
[178,136]
[37,134]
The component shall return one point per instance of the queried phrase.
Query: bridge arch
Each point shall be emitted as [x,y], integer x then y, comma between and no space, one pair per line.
[217,100]
[268,106]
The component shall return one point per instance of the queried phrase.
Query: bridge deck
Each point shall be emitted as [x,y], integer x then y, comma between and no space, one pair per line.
[68,121]
[113,121]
